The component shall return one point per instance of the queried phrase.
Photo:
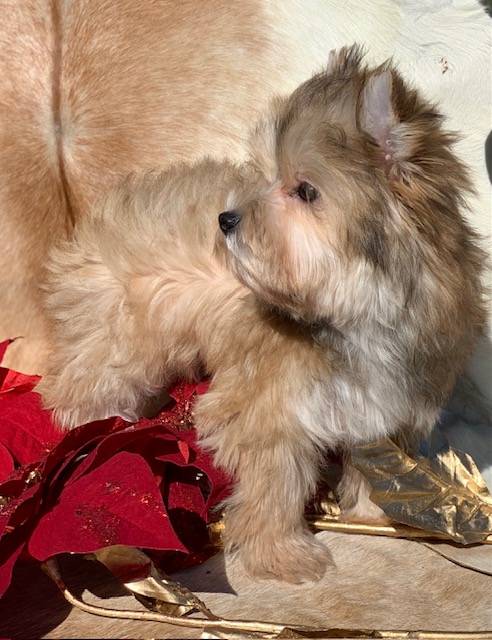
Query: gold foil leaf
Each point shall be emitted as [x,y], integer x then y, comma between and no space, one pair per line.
[150,586]
[443,494]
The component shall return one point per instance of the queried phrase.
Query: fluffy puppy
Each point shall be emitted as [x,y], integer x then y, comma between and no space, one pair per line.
[340,308]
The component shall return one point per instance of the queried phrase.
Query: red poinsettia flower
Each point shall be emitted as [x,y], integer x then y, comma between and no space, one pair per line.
[109,482]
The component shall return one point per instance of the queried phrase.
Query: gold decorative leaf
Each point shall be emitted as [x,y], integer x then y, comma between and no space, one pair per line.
[150,586]
[444,494]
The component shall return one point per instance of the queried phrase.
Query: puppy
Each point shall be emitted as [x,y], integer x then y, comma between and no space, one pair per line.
[336,305]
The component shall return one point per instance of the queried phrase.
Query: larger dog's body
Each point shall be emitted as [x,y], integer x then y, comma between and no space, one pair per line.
[357,304]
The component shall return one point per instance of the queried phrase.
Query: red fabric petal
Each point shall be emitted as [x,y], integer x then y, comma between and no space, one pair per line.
[221,482]
[7,566]
[25,428]
[186,505]
[183,391]
[72,452]
[107,482]
[184,450]
[148,440]
[3,348]
[184,493]
[16,523]
[19,508]
[15,382]
[117,503]
[6,463]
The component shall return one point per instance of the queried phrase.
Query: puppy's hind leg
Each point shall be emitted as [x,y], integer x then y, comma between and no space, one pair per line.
[354,495]
[97,368]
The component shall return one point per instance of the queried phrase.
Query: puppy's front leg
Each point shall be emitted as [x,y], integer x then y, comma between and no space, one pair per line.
[275,465]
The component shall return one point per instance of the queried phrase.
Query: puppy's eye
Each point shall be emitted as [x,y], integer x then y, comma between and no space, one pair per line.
[307,192]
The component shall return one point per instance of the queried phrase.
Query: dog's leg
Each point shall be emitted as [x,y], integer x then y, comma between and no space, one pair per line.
[264,516]
[354,495]
[256,437]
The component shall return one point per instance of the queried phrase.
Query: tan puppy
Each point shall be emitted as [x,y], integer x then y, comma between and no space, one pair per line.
[357,303]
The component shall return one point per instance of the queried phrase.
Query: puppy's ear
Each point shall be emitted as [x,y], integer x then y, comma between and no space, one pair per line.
[377,115]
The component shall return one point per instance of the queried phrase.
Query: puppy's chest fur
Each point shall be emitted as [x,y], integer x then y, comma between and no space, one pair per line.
[369,391]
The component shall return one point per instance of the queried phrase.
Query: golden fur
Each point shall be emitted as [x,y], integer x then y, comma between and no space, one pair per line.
[340,309]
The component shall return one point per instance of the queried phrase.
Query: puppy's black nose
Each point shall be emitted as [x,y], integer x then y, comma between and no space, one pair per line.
[228,220]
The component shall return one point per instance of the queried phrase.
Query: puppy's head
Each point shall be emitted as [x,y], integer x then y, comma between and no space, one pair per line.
[361,207]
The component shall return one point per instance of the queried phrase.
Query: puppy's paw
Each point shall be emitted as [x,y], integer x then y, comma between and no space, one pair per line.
[296,559]
[367,513]
[354,494]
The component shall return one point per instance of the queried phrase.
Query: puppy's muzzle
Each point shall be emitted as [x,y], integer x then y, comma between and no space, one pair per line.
[228,220]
